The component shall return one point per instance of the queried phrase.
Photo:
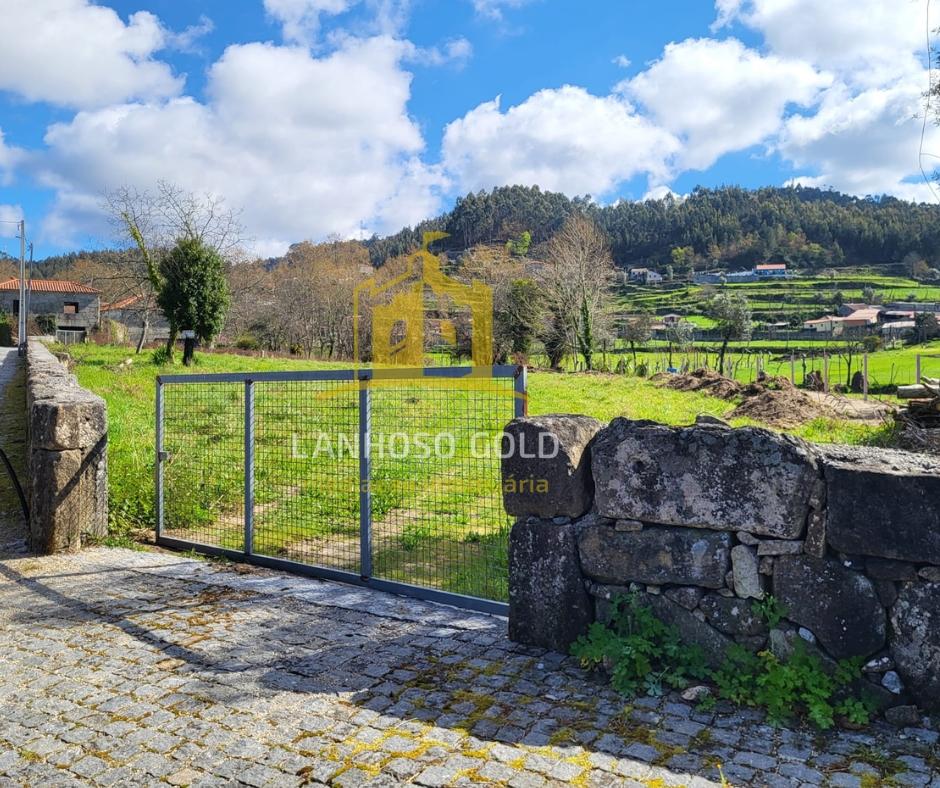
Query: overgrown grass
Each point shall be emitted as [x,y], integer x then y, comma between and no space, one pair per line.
[436,521]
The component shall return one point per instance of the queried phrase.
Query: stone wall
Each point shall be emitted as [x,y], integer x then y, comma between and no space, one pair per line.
[67,456]
[706,521]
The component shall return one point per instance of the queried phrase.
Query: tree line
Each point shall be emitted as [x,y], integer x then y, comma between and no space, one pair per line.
[806,227]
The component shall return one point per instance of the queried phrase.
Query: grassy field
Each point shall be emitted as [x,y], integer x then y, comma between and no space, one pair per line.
[437,521]
[801,295]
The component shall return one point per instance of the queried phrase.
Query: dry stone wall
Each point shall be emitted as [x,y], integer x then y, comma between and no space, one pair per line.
[67,456]
[706,521]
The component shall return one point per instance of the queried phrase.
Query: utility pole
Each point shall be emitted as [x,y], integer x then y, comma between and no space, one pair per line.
[22,315]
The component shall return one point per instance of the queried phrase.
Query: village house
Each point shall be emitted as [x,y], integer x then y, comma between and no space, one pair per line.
[69,308]
[771,270]
[645,276]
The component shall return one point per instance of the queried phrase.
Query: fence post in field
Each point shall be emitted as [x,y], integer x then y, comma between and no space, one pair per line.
[249,467]
[158,465]
[826,373]
[865,376]
[365,475]
[917,368]
[792,370]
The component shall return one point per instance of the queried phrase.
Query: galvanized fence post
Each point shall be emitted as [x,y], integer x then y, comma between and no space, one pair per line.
[365,475]
[917,368]
[158,467]
[249,467]
[792,370]
[520,393]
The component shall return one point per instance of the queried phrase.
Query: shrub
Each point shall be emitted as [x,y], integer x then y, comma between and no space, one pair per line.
[639,650]
[162,356]
[247,342]
[47,324]
[641,653]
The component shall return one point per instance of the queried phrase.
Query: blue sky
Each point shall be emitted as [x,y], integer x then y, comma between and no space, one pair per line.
[320,117]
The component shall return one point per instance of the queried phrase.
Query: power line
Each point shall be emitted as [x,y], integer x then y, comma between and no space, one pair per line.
[923,128]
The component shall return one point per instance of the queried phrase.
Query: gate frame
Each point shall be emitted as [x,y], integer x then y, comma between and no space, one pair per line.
[364,378]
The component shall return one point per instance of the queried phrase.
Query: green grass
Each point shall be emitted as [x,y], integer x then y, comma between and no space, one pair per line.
[436,521]
[803,295]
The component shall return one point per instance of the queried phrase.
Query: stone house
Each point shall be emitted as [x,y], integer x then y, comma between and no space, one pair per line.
[75,308]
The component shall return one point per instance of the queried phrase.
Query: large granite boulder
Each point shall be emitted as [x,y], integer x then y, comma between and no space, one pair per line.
[836,604]
[655,555]
[883,503]
[915,645]
[548,603]
[746,479]
[546,465]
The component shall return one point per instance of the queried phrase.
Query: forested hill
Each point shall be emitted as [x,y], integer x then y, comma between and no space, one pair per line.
[808,228]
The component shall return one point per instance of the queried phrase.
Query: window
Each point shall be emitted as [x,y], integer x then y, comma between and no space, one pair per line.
[70,308]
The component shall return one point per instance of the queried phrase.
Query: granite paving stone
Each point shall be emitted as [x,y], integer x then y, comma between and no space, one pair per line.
[124,667]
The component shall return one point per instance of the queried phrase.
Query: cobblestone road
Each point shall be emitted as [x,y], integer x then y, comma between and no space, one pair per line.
[128,668]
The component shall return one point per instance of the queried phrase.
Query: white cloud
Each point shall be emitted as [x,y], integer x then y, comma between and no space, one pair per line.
[864,144]
[9,215]
[865,41]
[300,19]
[75,54]
[455,52]
[720,96]
[493,9]
[566,140]
[284,135]
[661,193]
[622,60]
[186,41]
[9,158]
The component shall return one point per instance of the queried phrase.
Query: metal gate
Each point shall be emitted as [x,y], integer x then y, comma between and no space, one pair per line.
[389,479]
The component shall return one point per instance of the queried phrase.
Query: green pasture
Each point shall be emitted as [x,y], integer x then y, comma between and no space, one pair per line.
[437,520]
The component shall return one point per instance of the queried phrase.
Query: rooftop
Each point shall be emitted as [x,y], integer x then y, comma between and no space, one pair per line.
[50,286]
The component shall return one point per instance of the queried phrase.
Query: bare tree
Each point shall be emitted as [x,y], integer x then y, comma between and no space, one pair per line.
[151,223]
[578,281]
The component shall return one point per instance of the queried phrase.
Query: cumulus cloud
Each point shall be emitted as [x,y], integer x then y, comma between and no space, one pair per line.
[863,143]
[283,134]
[866,41]
[566,140]
[720,96]
[300,19]
[622,60]
[75,54]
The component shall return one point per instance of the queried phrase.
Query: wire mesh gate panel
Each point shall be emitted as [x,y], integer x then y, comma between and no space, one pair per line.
[391,481]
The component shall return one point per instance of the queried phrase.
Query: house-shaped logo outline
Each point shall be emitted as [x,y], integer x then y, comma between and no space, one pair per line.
[406,306]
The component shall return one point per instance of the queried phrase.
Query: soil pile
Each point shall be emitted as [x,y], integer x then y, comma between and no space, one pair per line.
[771,400]
[776,401]
[705,380]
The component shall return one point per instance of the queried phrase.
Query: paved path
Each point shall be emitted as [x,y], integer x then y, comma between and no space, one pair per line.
[13,442]
[121,667]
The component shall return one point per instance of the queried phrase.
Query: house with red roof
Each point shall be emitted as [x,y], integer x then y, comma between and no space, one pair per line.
[71,308]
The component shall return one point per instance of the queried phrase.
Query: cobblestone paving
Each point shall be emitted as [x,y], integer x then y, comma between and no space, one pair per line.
[130,668]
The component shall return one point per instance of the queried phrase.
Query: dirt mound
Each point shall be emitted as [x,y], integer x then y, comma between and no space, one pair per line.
[770,400]
[705,380]
[779,407]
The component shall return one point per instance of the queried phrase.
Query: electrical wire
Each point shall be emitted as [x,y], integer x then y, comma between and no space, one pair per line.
[923,128]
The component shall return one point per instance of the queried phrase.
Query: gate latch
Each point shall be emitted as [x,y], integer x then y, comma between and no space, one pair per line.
[163,456]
